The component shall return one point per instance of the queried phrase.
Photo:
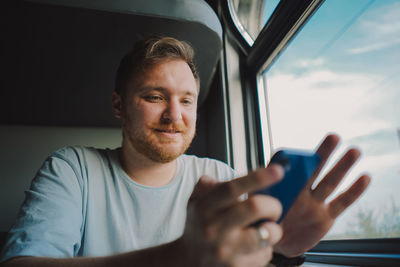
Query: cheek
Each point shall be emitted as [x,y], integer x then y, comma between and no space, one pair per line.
[141,114]
[132,118]
[149,115]
[191,118]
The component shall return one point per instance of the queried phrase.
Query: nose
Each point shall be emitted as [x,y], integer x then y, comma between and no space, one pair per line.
[173,112]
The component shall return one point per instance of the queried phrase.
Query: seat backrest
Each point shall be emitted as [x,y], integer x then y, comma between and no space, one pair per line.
[61,56]
[3,236]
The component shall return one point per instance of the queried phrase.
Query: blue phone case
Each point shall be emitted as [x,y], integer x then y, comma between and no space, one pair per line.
[299,167]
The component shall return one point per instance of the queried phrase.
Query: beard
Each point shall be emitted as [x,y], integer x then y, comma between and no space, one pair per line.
[158,148]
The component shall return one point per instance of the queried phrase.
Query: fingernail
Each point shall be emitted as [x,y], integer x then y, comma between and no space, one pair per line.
[276,171]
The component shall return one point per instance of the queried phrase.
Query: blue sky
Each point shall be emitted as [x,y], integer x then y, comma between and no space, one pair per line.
[342,74]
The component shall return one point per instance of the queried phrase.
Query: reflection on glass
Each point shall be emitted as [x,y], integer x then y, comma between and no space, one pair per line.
[269,8]
[252,15]
[342,74]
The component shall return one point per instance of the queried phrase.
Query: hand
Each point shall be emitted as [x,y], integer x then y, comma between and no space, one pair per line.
[217,231]
[310,217]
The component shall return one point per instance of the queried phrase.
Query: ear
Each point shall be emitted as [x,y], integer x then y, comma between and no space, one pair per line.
[116,104]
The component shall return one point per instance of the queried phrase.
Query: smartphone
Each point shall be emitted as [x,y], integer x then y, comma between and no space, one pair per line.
[299,166]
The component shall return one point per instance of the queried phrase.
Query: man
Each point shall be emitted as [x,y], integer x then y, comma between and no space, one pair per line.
[147,204]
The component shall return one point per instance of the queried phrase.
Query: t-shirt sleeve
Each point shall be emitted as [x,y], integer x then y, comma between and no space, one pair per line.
[50,220]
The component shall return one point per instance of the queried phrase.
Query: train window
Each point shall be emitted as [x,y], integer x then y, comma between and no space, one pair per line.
[250,16]
[341,74]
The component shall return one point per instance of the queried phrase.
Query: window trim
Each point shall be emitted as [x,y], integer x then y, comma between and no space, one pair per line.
[225,96]
[271,41]
[283,25]
[245,35]
[364,252]
[230,27]
[250,103]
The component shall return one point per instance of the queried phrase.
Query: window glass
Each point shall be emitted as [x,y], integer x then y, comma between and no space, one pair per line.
[341,74]
[250,16]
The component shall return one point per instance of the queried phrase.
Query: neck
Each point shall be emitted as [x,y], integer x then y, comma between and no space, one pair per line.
[144,170]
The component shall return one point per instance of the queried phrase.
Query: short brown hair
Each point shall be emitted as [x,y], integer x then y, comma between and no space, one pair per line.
[148,52]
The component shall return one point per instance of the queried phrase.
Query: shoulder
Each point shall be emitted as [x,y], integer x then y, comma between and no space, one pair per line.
[77,158]
[80,155]
[70,169]
[208,166]
[75,152]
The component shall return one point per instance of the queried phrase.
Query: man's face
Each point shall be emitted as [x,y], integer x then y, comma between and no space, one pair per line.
[159,111]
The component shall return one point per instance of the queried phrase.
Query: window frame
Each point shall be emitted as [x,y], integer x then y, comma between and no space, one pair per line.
[283,25]
[364,252]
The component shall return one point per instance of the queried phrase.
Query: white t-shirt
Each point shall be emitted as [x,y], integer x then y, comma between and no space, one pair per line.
[82,203]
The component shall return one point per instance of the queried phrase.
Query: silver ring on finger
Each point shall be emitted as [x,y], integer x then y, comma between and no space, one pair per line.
[263,236]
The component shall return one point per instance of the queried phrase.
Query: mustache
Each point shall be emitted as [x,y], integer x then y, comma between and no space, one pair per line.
[171,127]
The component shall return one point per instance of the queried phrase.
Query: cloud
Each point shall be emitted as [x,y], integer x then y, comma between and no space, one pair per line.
[305,63]
[304,108]
[301,113]
[375,46]
[383,21]
[378,29]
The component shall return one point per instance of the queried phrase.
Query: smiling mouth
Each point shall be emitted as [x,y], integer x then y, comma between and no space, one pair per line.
[170,131]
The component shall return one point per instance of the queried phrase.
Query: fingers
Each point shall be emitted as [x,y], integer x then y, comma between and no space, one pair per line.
[226,194]
[333,178]
[324,151]
[344,200]
[251,210]
[275,232]
[252,254]
[253,251]
[203,186]
[259,258]
[251,240]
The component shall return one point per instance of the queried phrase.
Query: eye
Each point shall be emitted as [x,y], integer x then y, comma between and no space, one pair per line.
[187,101]
[153,98]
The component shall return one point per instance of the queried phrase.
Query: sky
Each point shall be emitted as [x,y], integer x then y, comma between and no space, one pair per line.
[341,74]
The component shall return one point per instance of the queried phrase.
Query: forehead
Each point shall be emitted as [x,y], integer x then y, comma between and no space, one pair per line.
[174,76]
